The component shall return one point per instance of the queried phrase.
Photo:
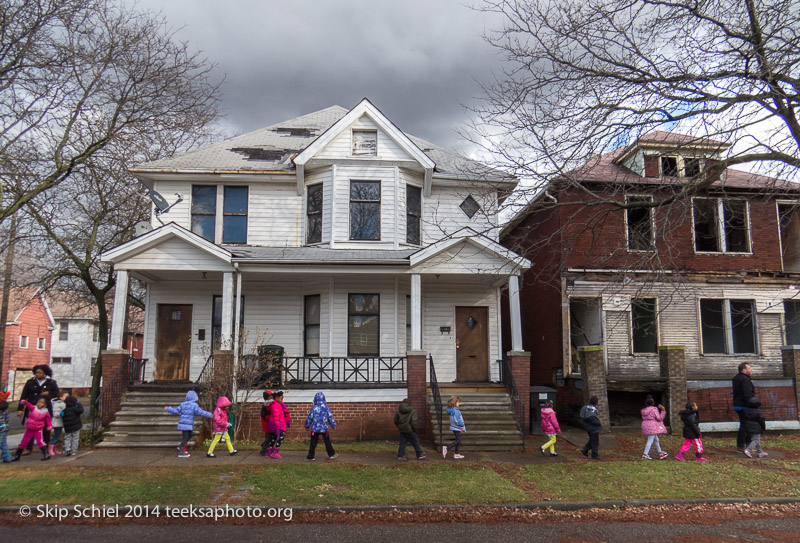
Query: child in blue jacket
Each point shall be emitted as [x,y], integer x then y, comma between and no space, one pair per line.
[319,420]
[456,426]
[187,410]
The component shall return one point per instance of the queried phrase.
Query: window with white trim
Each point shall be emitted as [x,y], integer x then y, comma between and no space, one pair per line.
[728,326]
[204,210]
[413,214]
[644,325]
[314,214]
[41,343]
[721,226]
[365,210]
[363,324]
[61,360]
[23,342]
[63,331]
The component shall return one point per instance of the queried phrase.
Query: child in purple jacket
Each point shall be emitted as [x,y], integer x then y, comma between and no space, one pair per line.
[550,428]
[652,425]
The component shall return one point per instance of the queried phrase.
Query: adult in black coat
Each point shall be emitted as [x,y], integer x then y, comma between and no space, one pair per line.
[743,390]
[41,385]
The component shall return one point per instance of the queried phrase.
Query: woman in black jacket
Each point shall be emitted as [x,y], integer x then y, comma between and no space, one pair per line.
[691,431]
[42,385]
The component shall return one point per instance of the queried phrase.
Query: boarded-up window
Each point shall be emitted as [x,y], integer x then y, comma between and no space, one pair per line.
[792,321]
[640,225]
[728,326]
[314,214]
[790,236]
[365,142]
[650,166]
[644,325]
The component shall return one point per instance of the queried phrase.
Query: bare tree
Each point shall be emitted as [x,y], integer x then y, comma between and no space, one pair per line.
[77,75]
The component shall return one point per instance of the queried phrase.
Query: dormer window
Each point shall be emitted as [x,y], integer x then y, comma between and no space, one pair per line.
[691,167]
[669,166]
[365,143]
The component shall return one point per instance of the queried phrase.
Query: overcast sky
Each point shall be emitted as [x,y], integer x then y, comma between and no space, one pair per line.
[416,60]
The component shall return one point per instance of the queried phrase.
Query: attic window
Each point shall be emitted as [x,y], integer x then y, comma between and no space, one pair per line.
[469,206]
[365,143]
[669,166]
[691,167]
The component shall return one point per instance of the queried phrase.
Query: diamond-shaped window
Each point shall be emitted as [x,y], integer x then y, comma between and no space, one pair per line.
[469,206]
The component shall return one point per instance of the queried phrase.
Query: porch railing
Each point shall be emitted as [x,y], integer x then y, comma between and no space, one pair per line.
[110,398]
[437,398]
[517,405]
[379,370]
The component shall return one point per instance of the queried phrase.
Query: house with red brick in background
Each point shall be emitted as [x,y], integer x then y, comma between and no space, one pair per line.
[627,297]
[27,341]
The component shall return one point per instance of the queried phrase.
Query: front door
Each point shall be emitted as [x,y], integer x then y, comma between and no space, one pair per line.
[174,342]
[472,344]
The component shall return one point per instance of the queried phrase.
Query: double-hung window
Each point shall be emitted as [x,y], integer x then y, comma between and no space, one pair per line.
[204,210]
[63,331]
[721,226]
[363,325]
[639,222]
[216,323]
[311,319]
[728,326]
[365,210]
[314,214]
[23,342]
[41,343]
[413,214]
[234,215]
[644,325]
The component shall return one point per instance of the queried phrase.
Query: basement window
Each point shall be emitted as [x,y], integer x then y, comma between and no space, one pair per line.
[728,326]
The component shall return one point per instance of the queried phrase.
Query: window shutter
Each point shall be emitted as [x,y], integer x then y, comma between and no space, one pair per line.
[651,166]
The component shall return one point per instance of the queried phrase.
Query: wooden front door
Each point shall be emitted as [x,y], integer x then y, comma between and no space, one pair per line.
[174,342]
[472,344]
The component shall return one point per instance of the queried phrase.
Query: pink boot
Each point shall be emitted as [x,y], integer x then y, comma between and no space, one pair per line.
[51,450]
[680,457]
[276,454]
[701,458]
[268,454]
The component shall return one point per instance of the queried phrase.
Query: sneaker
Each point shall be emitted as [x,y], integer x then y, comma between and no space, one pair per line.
[402,458]
[748,454]
[310,459]
[458,456]
[68,453]
[444,451]
[542,449]
[422,456]
[663,454]
[211,455]
[762,454]
[646,457]
[184,455]
[553,454]
[234,451]
[334,455]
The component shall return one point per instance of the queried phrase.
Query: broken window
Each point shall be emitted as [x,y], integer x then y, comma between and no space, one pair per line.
[691,167]
[789,215]
[721,225]
[669,166]
[365,143]
[584,327]
[640,225]
[314,214]
[728,326]
[365,210]
[644,325]
[791,310]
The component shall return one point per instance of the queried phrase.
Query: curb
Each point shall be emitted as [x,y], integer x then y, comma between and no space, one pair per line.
[554,506]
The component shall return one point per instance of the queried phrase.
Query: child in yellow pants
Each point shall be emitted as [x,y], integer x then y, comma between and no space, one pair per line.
[220,427]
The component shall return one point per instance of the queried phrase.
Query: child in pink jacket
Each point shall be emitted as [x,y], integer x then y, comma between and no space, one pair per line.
[220,425]
[652,425]
[550,427]
[38,420]
[279,422]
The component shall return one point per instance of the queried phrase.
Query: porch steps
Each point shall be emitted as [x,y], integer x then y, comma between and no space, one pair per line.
[488,416]
[142,421]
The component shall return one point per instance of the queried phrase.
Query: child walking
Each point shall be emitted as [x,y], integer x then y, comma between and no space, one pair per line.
[279,421]
[406,421]
[71,415]
[38,419]
[550,428]
[320,419]
[456,426]
[220,425]
[265,411]
[58,424]
[755,425]
[4,427]
[187,410]
[652,425]
[691,431]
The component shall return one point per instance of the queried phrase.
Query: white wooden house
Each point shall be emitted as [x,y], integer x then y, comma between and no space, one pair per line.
[333,235]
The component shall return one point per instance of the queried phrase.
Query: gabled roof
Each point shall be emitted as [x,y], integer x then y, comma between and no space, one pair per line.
[468,235]
[658,139]
[269,151]
[154,237]
[18,301]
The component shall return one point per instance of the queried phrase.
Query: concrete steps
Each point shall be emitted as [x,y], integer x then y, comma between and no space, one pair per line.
[488,416]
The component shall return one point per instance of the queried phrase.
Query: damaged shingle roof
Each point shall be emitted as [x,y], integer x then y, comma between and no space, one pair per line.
[270,150]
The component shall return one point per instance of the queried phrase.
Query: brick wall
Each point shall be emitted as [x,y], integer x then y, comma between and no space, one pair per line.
[716,404]
[354,421]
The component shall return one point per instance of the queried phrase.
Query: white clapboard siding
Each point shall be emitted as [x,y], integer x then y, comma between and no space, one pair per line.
[344,174]
[679,325]
[442,215]
[273,315]
[466,259]
[341,145]
[79,347]
[180,213]
[274,215]
[325,177]
[174,254]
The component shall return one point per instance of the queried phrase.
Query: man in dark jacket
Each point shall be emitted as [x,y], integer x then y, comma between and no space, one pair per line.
[406,421]
[593,426]
[743,390]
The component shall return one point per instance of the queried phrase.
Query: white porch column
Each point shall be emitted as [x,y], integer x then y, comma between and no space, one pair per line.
[226,333]
[117,336]
[416,312]
[516,316]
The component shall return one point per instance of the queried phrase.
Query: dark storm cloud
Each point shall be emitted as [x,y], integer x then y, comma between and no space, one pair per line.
[416,60]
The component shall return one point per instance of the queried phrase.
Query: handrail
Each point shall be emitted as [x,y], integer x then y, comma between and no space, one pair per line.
[437,398]
[109,400]
[207,371]
[517,405]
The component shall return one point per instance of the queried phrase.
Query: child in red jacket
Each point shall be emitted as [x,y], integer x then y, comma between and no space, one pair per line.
[550,427]
[38,420]
[279,422]
[265,411]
